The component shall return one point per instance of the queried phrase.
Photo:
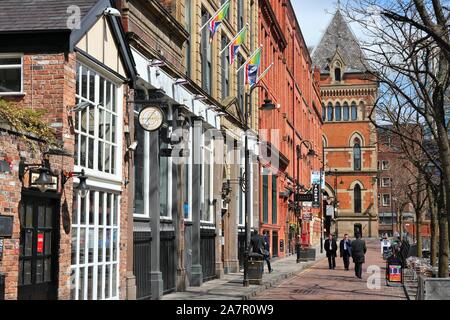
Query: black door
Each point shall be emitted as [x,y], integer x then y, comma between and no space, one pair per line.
[208,255]
[142,264]
[39,246]
[358,230]
[168,261]
[275,244]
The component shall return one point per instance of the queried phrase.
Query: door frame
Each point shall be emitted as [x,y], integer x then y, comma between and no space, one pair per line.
[56,229]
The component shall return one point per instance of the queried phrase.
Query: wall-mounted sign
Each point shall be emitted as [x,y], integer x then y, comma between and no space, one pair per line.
[303,197]
[316,196]
[282,245]
[6,226]
[40,242]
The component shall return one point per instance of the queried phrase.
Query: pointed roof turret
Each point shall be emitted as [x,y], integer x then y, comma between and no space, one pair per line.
[339,38]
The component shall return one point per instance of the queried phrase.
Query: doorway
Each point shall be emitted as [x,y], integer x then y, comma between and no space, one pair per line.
[358,229]
[39,247]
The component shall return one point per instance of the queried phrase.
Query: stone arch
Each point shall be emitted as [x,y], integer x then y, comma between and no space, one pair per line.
[356,182]
[356,134]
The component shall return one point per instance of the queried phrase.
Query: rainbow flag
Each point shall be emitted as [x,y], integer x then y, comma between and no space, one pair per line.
[216,21]
[252,67]
[236,43]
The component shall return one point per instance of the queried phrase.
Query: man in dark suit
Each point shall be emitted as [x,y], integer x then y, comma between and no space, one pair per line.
[257,243]
[359,250]
[330,247]
[345,248]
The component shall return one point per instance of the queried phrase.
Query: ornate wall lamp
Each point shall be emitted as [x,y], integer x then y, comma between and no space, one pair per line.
[82,186]
[44,180]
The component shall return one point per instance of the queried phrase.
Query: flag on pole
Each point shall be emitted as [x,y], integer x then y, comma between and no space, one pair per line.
[218,18]
[264,73]
[252,67]
[236,44]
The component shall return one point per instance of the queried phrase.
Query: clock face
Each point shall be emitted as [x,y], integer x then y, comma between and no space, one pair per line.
[151,118]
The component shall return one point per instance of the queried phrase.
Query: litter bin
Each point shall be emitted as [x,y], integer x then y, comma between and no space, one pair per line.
[394,271]
[255,268]
[2,286]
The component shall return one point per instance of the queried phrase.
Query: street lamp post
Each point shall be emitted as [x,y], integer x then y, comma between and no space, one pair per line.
[268,105]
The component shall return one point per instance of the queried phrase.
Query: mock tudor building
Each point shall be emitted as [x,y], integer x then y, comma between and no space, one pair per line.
[67,64]
[350,139]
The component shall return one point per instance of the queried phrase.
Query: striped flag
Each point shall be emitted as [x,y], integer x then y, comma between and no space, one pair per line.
[252,67]
[236,44]
[218,18]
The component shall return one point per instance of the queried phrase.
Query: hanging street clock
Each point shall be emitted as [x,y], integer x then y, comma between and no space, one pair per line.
[151,118]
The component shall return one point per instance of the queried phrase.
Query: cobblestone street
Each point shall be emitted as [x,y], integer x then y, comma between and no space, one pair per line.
[320,283]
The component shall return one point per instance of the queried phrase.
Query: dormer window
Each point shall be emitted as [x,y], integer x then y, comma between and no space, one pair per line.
[337,74]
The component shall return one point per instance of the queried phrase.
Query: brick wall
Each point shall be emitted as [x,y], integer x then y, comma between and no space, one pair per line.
[49,83]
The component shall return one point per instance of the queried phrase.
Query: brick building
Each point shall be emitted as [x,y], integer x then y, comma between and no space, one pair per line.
[294,129]
[68,242]
[188,229]
[350,139]
[398,177]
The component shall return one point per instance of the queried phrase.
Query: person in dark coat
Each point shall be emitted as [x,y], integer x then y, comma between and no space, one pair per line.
[257,243]
[267,252]
[330,247]
[359,250]
[345,249]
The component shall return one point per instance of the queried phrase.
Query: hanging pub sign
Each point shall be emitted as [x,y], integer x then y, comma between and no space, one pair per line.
[316,196]
[6,226]
[303,197]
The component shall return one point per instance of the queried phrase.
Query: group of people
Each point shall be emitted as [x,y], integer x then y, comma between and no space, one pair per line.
[347,248]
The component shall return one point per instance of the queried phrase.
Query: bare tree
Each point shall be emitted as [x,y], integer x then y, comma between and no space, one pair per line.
[406,45]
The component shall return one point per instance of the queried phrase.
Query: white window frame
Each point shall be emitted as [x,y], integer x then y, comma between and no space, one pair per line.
[383,200]
[211,177]
[95,264]
[13,66]
[385,165]
[385,185]
[114,180]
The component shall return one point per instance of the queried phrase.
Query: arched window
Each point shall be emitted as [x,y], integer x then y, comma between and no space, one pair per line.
[354,111]
[346,112]
[330,112]
[357,155]
[324,112]
[338,112]
[357,198]
[337,74]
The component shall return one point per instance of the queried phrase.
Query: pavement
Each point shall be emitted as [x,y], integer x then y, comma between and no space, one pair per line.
[230,286]
[320,283]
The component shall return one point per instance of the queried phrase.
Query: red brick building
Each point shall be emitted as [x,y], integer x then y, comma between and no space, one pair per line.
[295,125]
[67,242]
[350,139]
[396,175]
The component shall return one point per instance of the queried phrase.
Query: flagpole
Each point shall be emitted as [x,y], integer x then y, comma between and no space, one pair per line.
[248,60]
[264,73]
[214,15]
[229,44]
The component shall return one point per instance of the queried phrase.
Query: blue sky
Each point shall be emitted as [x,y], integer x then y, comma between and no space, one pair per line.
[314,17]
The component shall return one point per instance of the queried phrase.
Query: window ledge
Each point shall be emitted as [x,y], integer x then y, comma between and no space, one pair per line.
[13,94]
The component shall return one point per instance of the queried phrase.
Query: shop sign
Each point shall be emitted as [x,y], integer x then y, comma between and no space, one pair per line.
[40,243]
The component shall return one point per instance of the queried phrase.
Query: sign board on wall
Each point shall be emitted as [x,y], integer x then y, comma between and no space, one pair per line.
[6,226]
[316,196]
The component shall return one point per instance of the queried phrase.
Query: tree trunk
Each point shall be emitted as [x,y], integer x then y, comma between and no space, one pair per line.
[418,234]
[434,228]
[443,241]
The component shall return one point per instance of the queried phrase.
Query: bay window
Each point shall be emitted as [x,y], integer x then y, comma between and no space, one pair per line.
[95,246]
[97,145]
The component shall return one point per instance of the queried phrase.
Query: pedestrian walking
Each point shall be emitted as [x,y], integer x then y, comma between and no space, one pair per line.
[267,252]
[330,247]
[359,250]
[345,249]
